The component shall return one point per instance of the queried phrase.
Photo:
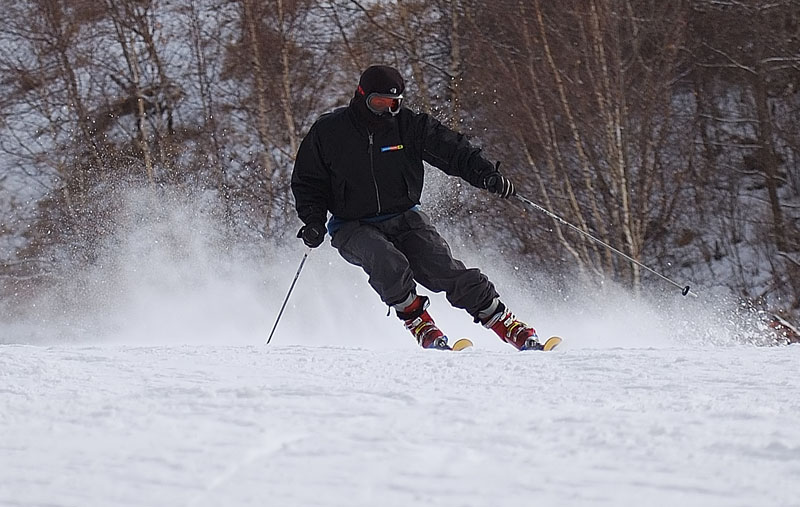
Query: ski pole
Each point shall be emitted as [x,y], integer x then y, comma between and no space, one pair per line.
[291,288]
[685,290]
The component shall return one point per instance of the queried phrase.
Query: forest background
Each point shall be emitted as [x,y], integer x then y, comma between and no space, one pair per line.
[670,130]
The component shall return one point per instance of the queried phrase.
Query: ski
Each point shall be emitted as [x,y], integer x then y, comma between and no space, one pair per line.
[463,343]
[551,343]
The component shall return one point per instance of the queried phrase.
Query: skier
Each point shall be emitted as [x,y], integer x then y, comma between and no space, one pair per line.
[364,164]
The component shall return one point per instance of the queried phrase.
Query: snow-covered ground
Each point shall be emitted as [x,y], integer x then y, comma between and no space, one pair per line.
[144,381]
[347,426]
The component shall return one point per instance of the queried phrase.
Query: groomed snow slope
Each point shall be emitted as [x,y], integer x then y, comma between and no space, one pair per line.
[144,381]
[347,426]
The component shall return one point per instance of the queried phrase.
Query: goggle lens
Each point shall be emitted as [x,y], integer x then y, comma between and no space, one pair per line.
[384,103]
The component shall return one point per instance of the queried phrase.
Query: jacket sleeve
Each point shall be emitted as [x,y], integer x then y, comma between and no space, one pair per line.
[451,152]
[311,181]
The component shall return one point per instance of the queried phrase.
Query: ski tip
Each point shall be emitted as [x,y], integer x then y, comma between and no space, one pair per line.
[552,343]
[462,344]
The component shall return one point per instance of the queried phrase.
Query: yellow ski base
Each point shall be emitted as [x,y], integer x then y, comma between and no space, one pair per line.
[462,344]
[551,343]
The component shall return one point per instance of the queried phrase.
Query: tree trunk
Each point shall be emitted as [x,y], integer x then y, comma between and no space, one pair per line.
[286,88]
[249,20]
[768,160]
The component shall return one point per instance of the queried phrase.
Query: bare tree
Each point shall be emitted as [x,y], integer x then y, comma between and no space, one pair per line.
[668,130]
[746,77]
[586,92]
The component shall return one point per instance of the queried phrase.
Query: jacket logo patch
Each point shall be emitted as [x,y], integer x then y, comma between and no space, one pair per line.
[392,148]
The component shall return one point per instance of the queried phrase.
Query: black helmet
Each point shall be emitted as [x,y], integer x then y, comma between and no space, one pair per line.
[382,89]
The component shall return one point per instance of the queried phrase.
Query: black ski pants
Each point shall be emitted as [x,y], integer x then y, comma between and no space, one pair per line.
[407,248]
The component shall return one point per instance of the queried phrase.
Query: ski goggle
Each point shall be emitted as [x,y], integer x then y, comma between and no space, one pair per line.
[380,103]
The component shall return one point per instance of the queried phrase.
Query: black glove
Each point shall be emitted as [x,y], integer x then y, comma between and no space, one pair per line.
[312,234]
[499,184]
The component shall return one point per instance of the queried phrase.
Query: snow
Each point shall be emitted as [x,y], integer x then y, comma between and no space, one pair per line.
[345,426]
[145,381]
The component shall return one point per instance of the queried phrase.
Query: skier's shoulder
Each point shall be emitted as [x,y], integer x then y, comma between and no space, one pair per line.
[407,115]
[418,119]
[330,119]
[414,122]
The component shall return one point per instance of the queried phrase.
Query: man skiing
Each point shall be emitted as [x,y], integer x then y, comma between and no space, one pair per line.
[364,164]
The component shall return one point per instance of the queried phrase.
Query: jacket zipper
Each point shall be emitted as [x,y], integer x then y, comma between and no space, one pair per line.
[372,169]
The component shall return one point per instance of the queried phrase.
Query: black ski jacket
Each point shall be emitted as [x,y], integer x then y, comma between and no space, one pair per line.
[344,168]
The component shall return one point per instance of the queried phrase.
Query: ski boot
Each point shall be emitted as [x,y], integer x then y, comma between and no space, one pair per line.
[417,320]
[511,330]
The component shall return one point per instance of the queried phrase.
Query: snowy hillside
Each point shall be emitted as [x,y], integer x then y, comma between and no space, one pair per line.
[346,426]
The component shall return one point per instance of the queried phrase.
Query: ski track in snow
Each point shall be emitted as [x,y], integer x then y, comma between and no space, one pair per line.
[343,426]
